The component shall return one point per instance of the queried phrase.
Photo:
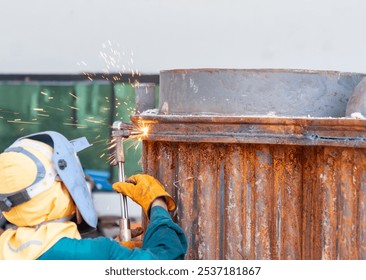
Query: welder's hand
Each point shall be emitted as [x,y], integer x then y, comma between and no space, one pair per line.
[144,189]
[135,232]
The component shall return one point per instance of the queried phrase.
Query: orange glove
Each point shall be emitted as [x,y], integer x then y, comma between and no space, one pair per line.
[144,189]
[134,243]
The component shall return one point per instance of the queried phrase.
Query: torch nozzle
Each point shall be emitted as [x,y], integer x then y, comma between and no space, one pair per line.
[124,130]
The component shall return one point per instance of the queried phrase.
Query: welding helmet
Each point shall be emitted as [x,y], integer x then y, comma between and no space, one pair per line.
[66,168]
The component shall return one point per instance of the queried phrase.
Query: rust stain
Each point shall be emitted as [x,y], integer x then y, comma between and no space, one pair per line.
[241,200]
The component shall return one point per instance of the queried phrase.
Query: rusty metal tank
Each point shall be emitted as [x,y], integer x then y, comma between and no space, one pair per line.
[262,163]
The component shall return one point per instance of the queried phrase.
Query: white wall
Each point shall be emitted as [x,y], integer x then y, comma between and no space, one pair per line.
[43,36]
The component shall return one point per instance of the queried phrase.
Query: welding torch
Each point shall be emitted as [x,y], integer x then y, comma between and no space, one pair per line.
[121,131]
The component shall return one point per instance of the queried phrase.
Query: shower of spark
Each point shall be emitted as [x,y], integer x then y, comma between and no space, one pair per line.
[114,60]
[131,143]
[117,62]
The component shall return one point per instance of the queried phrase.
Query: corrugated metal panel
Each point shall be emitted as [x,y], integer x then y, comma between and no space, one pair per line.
[262,163]
[253,201]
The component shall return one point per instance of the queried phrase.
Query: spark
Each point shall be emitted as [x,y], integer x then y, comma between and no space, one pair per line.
[59,109]
[181,180]
[137,145]
[99,141]
[38,109]
[73,95]
[76,125]
[111,146]
[22,122]
[43,115]
[129,143]
[44,93]
[93,121]
[73,108]
[145,130]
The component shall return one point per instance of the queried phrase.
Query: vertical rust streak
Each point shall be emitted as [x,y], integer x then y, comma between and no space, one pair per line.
[145,166]
[248,211]
[347,214]
[263,201]
[292,203]
[233,202]
[287,202]
[150,166]
[208,185]
[309,187]
[166,167]
[319,202]
[278,183]
[360,159]
[145,156]
[329,183]
[220,198]
[187,211]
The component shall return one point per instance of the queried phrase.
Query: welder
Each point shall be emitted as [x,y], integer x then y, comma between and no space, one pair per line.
[44,195]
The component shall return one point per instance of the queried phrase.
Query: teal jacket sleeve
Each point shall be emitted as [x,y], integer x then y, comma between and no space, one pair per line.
[163,240]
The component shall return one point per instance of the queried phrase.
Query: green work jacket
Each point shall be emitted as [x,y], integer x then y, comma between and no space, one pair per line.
[163,240]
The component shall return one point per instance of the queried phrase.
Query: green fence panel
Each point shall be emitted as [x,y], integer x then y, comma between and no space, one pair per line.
[74,109]
[19,114]
[92,111]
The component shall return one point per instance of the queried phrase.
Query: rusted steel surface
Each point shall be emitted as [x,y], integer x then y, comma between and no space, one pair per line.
[144,97]
[290,131]
[259,201]
[262,163]
[278,92]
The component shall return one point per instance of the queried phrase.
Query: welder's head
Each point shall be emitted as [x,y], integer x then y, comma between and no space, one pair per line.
[41,180]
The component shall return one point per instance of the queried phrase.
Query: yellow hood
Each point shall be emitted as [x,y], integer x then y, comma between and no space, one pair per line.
[41,221]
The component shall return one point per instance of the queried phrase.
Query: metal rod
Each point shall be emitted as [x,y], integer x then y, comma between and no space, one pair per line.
[124,223]
[123,199]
